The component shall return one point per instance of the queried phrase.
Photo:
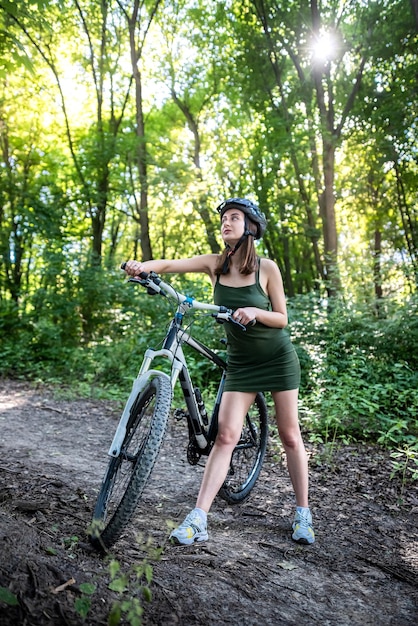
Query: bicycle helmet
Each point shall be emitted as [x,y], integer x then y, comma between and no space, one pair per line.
[249,209]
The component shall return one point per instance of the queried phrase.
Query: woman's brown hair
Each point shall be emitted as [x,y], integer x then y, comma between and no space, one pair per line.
[245,255]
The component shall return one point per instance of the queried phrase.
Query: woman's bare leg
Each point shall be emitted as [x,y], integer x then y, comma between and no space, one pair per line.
[286,404]
[232,411]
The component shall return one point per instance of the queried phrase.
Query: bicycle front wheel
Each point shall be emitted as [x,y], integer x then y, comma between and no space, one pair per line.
[248,456]
[127,474]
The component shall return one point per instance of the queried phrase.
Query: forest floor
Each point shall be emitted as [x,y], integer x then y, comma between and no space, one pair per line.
[362,569]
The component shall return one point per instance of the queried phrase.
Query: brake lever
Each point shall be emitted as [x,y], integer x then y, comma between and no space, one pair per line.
[242,326]
[222,320]
[152,290]
[140,281]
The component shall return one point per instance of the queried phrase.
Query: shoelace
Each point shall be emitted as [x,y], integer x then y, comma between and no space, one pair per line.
[303,520]
[193,523]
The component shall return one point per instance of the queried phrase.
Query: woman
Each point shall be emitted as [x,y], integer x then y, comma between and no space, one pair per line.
[261,359]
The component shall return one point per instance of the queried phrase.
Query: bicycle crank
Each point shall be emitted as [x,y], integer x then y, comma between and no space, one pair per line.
[193,452]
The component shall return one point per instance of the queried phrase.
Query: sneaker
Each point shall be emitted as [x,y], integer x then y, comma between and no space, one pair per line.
[303,531]
[192,529]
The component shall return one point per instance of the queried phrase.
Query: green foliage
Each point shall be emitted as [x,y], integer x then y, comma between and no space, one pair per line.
[82,605]
[405,463]
[227,110]
[359,370]
[70,543]
[132,586]
[363,379]
[7,597]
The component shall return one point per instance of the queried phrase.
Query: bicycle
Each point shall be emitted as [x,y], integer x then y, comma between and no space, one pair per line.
[142,426]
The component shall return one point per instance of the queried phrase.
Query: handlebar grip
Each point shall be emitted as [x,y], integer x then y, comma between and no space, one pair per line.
[143,275]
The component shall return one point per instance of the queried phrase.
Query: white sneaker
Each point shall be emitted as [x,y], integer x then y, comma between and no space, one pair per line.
[192,529]
[303,531]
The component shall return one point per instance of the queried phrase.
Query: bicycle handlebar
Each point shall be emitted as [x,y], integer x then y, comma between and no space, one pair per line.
[155,285]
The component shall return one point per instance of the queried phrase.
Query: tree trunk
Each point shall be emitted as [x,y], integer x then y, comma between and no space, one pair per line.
[200,204]
[377,267]
[142,150]
[414,7]
[409,222]
[329,226]
[142,154]
[287,278]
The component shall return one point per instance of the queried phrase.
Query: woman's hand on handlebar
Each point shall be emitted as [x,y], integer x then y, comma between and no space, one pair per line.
[135,268]
[246,315]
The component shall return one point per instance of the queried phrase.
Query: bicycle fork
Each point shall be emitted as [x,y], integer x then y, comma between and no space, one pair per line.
[178,371]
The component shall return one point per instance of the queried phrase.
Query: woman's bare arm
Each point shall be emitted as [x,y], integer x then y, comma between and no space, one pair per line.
[204,263]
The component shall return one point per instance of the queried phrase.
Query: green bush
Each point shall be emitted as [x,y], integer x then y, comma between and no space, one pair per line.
[359,371]
[364,380]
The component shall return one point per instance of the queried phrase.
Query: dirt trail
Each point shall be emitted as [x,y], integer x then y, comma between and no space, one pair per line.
[362,570]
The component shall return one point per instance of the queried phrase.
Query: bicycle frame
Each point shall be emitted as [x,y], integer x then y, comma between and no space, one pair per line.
[172,350]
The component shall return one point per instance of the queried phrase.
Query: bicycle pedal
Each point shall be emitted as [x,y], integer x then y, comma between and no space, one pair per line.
[179,414]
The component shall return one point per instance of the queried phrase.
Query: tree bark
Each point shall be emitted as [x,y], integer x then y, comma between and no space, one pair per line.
[329,225]
[136,47]
[377,267]
[200,204]
[414,7]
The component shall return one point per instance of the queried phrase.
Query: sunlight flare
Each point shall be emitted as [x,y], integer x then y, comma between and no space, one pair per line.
[324,47]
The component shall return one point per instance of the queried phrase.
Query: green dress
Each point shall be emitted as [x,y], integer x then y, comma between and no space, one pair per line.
[262,358]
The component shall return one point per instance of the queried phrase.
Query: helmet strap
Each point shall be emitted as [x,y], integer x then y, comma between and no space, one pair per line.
[231,252]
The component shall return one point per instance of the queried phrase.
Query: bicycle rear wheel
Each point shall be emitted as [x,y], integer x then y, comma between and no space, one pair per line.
[248,456]
[127,474]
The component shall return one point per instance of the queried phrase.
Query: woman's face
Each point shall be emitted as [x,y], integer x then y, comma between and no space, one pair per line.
[232,226]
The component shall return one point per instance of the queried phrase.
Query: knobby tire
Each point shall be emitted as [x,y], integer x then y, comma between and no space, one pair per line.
[128,473]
